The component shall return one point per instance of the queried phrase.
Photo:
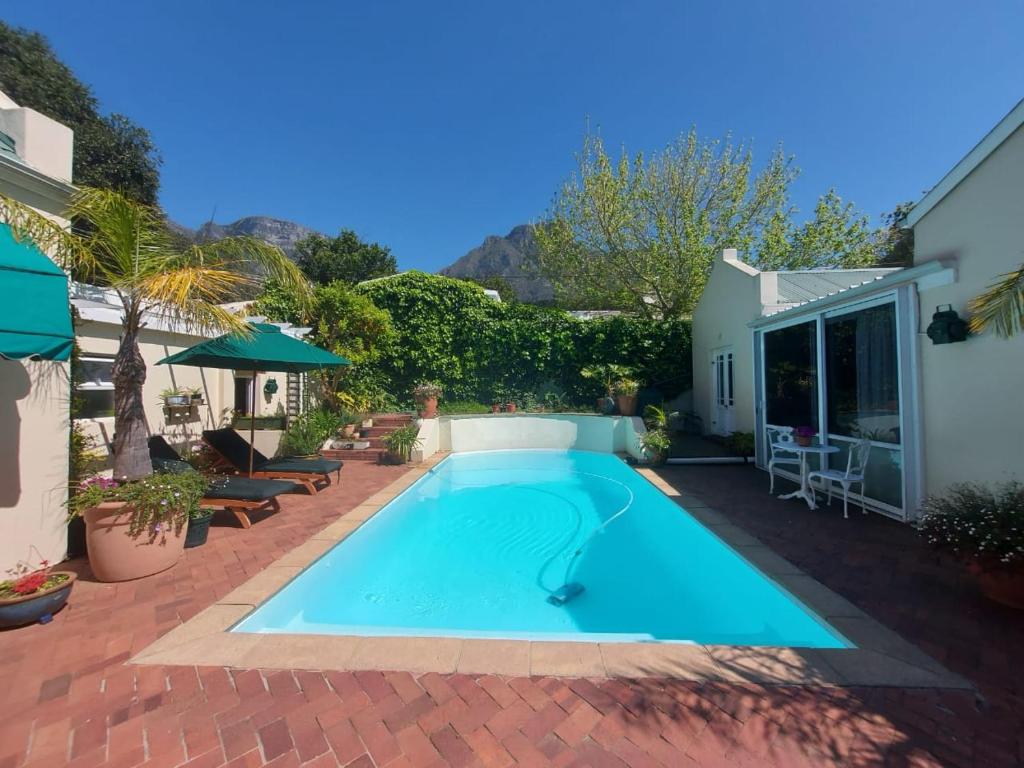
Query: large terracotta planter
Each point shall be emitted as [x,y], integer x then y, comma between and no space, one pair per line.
[626,404]
[26,609]
[116,556]
[1003,587]
[428,407]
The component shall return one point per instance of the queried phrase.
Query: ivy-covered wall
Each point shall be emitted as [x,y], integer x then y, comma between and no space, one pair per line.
[449,331]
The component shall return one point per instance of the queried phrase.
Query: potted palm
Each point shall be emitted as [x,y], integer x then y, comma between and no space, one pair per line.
[426,394]
[135,529]
[625,395]
[33,594]
[656,444]
[983,528]
[400,443]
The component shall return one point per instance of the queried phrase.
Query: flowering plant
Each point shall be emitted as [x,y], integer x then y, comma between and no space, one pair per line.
[28,580]
[426,390]
[158,502]
[805,431]
[978,523]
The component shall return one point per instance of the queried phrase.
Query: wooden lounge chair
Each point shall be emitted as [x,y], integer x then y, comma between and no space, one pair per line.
[239,495]
[233,452]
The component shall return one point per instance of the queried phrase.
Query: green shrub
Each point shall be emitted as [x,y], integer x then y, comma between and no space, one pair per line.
[308,432]
[463,407]
[401,441]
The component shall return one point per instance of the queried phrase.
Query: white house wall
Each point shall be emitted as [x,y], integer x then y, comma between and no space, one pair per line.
[972,409]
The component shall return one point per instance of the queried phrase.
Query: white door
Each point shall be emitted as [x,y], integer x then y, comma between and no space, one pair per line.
[722,401]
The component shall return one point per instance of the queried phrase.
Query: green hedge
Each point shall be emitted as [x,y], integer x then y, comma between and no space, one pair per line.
[449,331]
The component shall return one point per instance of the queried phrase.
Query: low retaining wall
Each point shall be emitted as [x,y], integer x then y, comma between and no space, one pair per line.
[560,431]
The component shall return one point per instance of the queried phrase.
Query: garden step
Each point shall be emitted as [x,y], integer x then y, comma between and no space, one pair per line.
[351,454]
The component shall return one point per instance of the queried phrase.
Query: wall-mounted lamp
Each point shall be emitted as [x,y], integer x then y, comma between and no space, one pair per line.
[946,326]
[270,387]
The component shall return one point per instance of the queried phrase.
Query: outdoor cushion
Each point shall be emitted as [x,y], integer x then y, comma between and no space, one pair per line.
[233,447]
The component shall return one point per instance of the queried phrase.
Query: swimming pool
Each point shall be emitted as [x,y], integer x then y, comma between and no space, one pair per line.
[477,546]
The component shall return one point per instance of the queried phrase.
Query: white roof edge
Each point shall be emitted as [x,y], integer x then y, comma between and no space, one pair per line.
[992,140]
[900,277]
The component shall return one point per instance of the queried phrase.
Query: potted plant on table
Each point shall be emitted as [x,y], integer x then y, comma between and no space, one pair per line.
[804,435]
[134,529]
[984,528]
[400,443]
[656,444]
[33,594]
[426,394]
[175,397]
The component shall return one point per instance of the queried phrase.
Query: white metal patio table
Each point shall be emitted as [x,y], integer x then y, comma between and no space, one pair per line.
[805,491]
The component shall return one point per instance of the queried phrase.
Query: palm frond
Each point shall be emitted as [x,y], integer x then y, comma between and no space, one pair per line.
[50,237]
[258,258]
[1001,307]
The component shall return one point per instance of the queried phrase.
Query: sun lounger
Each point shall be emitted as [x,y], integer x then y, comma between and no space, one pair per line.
[233,451]
[240,495]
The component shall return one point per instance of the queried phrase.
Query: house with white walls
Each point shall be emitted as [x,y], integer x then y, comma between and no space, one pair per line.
[858,362]
[35,344]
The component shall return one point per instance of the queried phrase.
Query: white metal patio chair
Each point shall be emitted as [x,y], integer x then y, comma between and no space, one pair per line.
[779,456]
[856,469]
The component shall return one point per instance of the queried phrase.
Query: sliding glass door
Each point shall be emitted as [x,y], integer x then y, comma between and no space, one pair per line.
[839,372]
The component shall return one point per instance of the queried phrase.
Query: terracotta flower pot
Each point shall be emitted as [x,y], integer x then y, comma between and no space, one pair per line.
[495,408]
[428,407]
[804,440]
[1001,586]
[626,404]
[510,407]
[116,556]
[26,609]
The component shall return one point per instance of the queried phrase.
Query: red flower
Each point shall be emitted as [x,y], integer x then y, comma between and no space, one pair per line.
[26,585]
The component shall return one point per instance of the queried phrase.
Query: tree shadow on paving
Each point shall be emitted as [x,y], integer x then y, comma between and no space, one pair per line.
[795,725]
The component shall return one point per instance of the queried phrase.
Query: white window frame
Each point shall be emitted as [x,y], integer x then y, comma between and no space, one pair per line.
[91,386]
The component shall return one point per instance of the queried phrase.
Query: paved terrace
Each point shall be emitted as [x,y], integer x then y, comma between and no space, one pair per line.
[70,698]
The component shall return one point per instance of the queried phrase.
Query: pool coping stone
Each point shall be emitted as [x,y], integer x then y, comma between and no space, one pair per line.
[880,658]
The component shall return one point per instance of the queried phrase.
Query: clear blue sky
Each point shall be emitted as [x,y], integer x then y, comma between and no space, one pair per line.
[427,126]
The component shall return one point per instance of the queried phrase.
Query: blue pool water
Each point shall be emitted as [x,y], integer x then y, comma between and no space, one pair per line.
[475,548]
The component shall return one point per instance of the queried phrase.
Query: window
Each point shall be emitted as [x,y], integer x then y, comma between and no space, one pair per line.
[243,395]
[95,386]
[863,374]
[791,376]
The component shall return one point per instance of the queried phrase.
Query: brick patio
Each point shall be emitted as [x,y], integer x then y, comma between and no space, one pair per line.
[69,698]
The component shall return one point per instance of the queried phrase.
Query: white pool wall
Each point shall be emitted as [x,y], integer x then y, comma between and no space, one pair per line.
[559,431]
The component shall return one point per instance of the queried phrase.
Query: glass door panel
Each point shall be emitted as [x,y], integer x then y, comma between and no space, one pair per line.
[791,376]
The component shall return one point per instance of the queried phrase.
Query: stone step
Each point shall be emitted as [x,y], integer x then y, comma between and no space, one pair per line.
[351,454]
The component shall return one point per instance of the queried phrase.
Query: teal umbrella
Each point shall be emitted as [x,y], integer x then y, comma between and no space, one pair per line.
[265,349]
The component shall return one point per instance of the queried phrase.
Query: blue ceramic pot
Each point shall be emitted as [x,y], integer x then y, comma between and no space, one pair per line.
[32,608]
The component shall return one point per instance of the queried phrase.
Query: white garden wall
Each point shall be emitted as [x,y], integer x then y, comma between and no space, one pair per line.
[560,431]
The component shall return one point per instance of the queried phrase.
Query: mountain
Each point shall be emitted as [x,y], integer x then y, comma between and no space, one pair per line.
[284,234]
[505,257]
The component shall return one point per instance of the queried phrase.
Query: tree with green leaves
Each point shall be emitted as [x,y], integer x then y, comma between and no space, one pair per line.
[124,245]
[345,257]
[641,233]
[111,152]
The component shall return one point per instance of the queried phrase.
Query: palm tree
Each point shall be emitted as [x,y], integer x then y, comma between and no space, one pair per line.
[1001,307]
[125,245]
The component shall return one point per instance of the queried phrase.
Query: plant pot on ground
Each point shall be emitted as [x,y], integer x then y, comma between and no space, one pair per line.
[510,407]
[34,595]
[400,444]
[495,407]
[426,394]
[981,526]
[656,445]
[135,529]
[198,528]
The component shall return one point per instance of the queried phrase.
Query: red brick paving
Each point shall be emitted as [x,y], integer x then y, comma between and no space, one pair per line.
[69,698]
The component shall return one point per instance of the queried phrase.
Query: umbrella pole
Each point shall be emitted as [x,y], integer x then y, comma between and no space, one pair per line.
[252,424]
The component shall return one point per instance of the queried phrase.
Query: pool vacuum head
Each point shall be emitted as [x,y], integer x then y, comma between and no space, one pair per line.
[565,593]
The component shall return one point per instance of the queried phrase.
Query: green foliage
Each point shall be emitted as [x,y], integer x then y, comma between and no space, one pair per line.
[655,417]
[307,433]
[641,233]
[110,150]
[448,331]
[496,283]
[977,522]
[345,322]
[344,258]
[463,407]
[656,444]
[157,501]
[895,240]
[742,443]
[401,441]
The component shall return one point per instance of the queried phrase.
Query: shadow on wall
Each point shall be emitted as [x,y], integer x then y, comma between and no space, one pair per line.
[15,385]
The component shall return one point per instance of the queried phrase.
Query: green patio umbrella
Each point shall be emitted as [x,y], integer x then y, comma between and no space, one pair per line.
[265,349]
